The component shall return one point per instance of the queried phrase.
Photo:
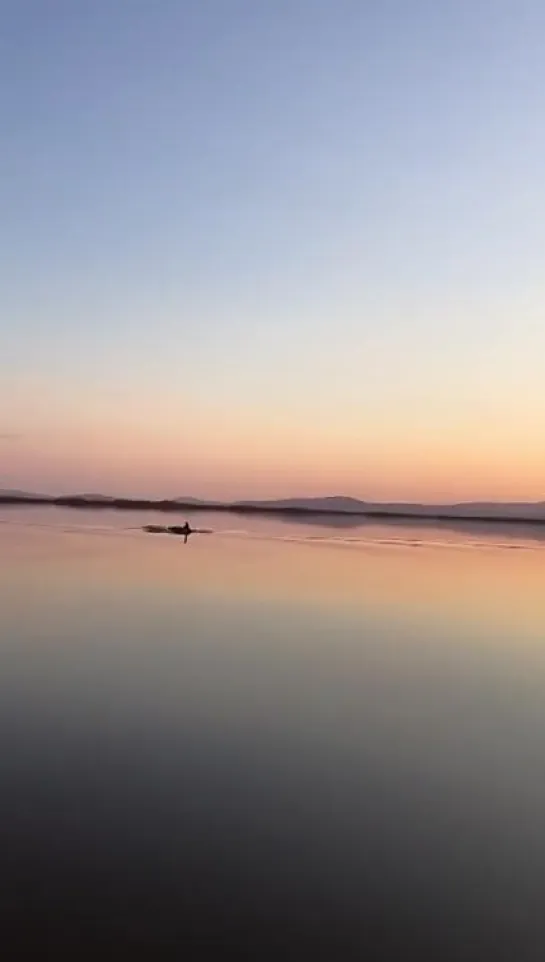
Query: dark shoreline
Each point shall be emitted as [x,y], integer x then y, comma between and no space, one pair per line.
[173,507]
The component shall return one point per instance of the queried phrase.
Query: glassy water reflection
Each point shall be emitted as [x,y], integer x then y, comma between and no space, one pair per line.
[287,749]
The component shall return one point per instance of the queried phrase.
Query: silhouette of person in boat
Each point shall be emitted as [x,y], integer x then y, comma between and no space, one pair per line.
[184,530]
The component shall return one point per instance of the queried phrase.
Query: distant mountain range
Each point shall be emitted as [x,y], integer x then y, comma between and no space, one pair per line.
[470,509]
[334,503]
[338,504]
[24,495]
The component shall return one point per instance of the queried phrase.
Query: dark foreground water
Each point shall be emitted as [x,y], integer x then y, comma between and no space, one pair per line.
[270,743]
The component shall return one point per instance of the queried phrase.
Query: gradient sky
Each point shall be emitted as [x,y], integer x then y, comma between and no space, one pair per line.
[271,247]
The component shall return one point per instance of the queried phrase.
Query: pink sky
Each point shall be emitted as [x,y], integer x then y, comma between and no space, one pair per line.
[236,457]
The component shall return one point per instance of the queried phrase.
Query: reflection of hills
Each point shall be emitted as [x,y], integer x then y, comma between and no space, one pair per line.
[322,519]
[511,530]
[478,510]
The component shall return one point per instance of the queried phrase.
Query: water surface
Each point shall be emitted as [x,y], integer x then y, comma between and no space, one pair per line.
[288,740]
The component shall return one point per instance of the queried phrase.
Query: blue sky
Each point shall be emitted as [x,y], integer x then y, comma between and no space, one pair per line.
[273,246]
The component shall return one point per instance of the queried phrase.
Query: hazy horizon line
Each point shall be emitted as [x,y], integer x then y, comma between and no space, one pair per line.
[263,501]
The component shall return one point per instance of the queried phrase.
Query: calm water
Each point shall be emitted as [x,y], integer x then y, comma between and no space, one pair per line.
[294,741]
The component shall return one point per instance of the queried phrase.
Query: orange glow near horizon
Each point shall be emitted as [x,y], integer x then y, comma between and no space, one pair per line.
[234,469]
[177,447]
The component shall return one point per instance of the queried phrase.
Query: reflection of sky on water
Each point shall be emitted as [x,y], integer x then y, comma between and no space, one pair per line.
[415,580]
[297,526]
[424,530]
[320,739]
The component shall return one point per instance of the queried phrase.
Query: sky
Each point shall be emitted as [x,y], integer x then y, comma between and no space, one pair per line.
[287,247]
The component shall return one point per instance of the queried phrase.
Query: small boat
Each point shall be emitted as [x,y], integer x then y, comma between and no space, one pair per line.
[183,529]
